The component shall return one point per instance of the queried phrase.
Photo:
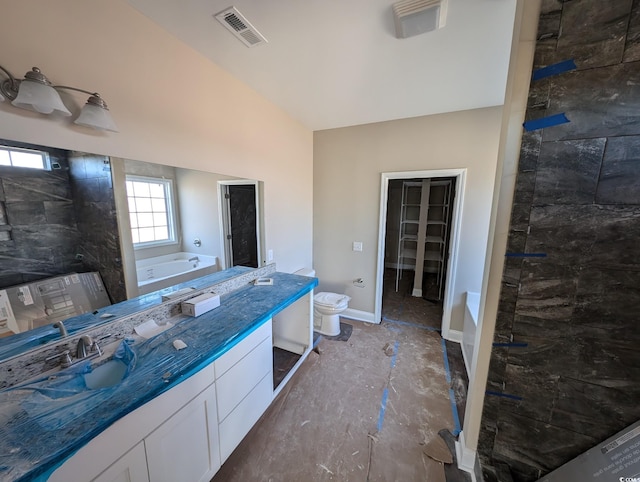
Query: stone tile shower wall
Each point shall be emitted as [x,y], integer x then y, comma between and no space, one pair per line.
[59,221]
[94,201]
[577,200]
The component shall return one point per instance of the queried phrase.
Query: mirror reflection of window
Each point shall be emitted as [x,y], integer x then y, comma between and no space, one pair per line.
[151,211]
[31,158]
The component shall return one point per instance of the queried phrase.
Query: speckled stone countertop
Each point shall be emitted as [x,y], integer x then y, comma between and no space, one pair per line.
[20,342]
[40,428]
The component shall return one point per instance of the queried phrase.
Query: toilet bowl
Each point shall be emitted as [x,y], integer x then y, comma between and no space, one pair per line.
[326,312]
[326,308]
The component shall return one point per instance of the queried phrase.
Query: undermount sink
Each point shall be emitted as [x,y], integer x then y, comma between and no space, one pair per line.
[106,375]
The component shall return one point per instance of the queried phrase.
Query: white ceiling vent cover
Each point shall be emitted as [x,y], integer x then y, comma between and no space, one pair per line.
[239,26]
[415,17]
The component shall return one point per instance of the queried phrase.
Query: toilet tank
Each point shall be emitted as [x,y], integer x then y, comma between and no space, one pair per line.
[310,272]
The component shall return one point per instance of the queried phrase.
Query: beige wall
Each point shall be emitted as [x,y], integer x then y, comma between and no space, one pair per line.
[172,106]
[347,167]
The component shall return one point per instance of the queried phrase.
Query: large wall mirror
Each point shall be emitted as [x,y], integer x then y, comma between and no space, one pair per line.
[142,226]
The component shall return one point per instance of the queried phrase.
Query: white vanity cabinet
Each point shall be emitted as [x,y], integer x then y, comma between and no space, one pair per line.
[185,447]
[185,433]
[129,450]
[244,384]
[131,467]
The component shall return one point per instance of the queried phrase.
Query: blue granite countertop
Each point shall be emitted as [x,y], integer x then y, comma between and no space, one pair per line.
[21,342]
[40,429]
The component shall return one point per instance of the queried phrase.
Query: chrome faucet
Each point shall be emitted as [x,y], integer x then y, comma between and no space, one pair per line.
[61,327]
[86,345]
[195,258]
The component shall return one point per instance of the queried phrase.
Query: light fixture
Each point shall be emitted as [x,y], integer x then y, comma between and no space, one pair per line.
[35,92]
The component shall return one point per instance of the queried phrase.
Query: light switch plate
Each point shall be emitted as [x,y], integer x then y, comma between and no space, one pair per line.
[357,245]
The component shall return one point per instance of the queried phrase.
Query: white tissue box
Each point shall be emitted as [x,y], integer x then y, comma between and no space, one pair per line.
[200,304]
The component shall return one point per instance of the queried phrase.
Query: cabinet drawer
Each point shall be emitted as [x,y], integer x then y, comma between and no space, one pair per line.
[238,381]
[234,355]
[244,416]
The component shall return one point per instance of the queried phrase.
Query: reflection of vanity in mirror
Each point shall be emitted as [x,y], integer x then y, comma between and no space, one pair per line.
[76,217]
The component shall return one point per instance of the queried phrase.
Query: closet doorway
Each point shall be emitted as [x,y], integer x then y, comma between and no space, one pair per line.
[418,240]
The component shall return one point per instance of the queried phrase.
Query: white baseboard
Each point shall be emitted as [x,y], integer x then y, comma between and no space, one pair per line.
[452,335]
[466,457]
[358,315]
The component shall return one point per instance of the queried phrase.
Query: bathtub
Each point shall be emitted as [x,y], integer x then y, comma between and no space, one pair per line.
[164,271]
[472,308]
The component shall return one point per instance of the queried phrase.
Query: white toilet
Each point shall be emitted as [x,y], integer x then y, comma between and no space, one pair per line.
[326,308]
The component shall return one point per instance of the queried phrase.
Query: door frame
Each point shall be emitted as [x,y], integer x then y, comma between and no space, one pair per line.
[454,240]
[223,216]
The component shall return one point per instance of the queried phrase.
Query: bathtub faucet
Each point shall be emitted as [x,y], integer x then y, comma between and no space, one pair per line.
[195,258]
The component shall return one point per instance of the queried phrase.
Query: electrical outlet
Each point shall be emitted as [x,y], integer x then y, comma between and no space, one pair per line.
[357,246]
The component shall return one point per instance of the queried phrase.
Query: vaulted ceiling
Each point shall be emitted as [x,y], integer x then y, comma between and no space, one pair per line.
[336,63]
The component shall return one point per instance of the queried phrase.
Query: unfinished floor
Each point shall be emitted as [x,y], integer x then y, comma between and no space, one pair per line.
[366,409]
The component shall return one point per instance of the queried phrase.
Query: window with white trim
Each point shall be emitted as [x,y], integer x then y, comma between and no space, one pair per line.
[151,211]
[19,157]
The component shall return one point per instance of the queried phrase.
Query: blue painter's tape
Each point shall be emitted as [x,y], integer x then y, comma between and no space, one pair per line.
[554,69]
[526,255]
[315,343]
[504,395]
[395,354]
[514,345]
[549,121]
[407,323]
[383,407]
[452,395]
[454,409]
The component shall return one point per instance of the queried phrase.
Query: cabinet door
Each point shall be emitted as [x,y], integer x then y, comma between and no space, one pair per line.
[185,447]
[244,416]
[131,467]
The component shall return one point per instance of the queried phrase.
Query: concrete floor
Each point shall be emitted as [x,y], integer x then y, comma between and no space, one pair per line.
[368,409]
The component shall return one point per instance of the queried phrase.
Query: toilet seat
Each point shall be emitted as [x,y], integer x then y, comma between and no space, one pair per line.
[331,300]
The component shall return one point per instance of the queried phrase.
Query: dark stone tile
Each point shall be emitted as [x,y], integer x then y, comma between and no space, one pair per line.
[491,409]
[549,355]
[45,186]
[524,188]
[602,43]
[595,410]
[632,45]
[54,235]
[547,291]
[519,216]
[529,151]
[77,167]
[504,326]
[551,6]
[25,213]
[620,176]
[497,367]
[598,102]
[568,171]
[528,326]
[586,235]
[607,304]
[538,391]
[531,447]
[604,362]
[508,298]
[59,212]
[548,32]
[538,97]
[516,241]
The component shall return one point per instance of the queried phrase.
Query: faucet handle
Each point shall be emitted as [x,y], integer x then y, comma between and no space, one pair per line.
[65,355]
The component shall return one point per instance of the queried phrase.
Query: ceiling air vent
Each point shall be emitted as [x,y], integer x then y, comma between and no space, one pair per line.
[415,17]
[239,26]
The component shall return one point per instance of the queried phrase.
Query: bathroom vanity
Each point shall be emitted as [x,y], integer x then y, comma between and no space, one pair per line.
[176,414]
